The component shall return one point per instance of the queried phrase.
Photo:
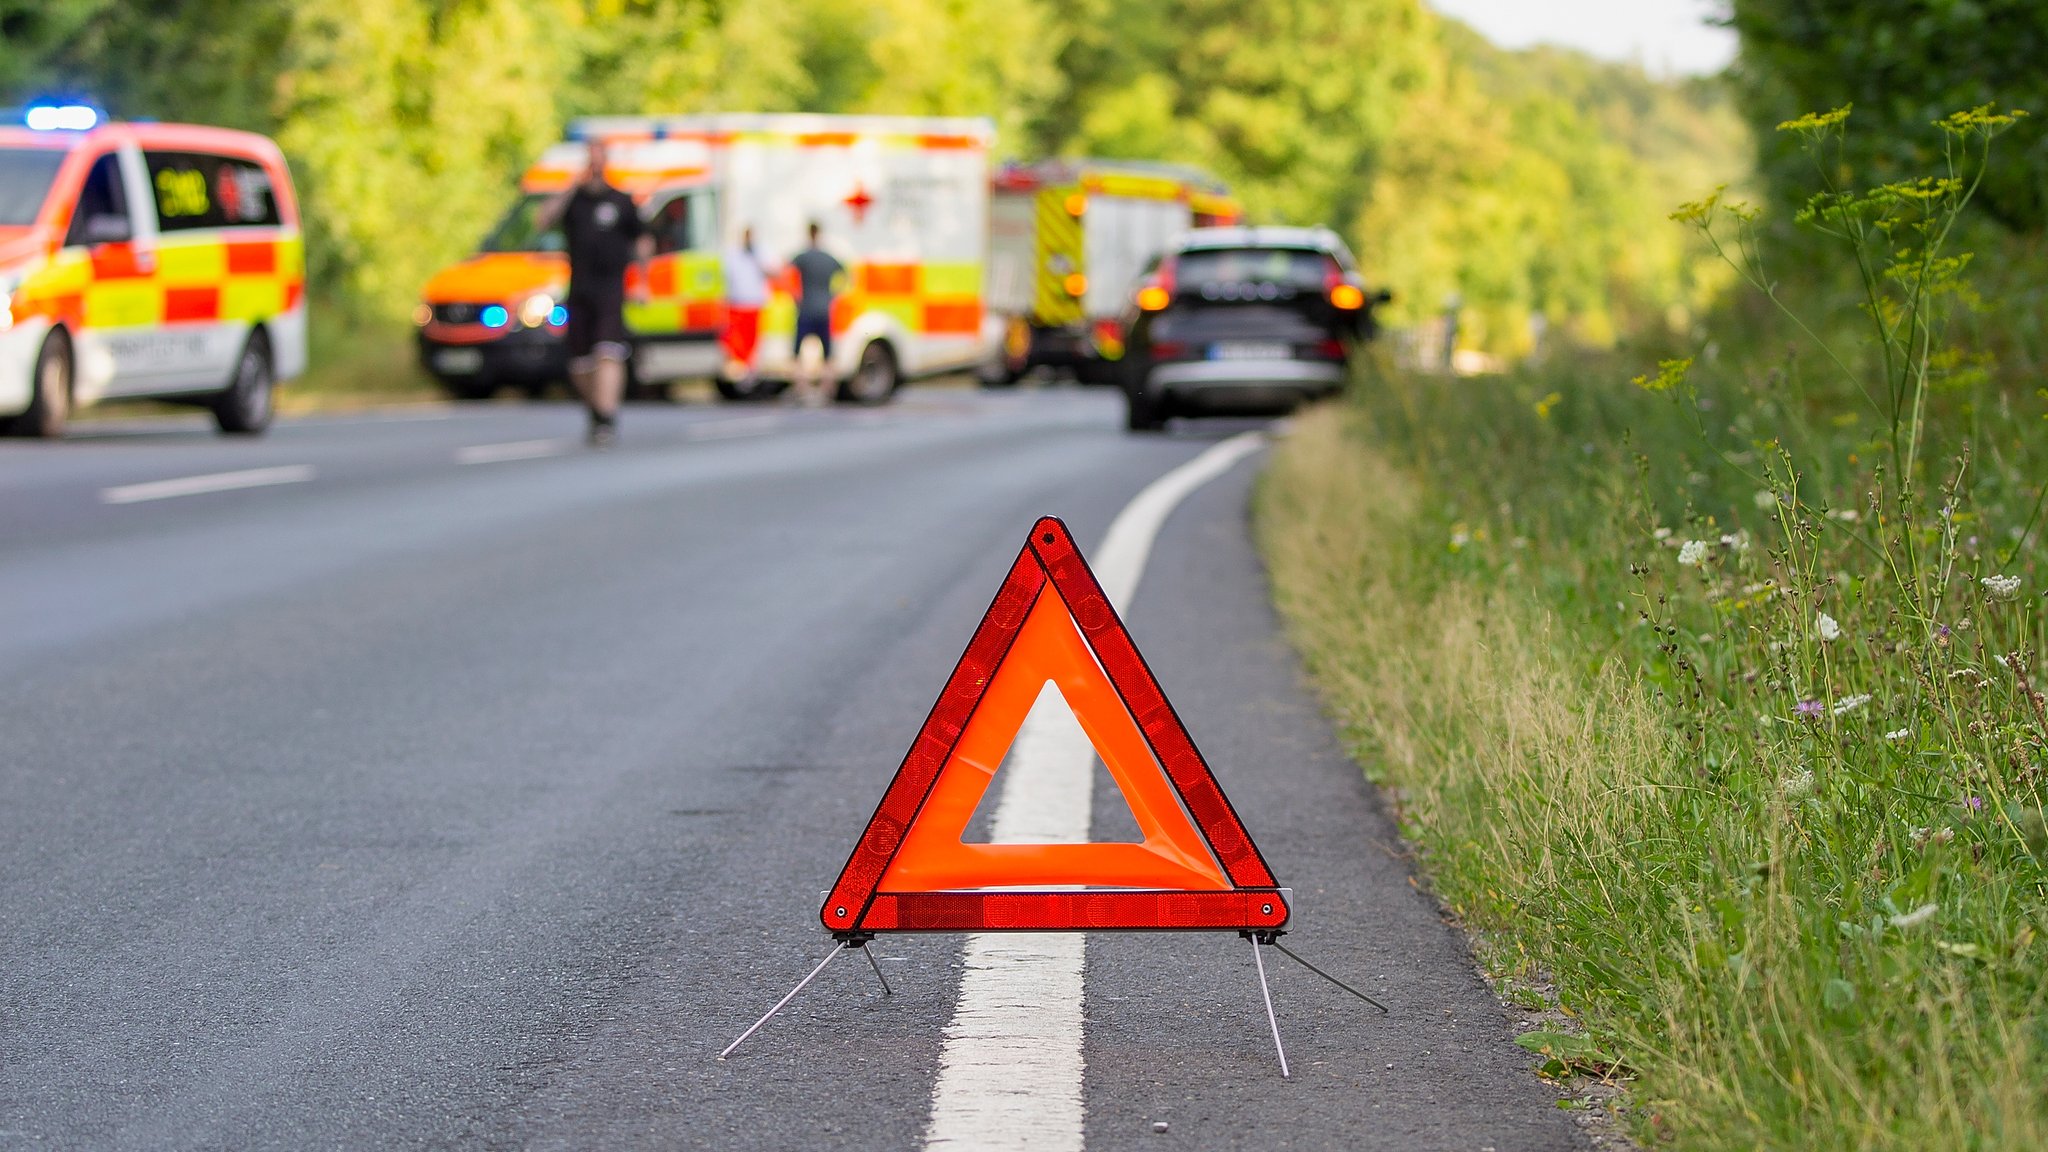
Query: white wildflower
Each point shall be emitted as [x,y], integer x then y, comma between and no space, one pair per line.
[1916,917]
[2001,587]
[1851,703]
[1845,515]
[2002,661]
[1898,734]
[1797,786]
[1738,541]
[1826,626]
[1922,837]
[1692,553]
[1661,534]
[1765,498]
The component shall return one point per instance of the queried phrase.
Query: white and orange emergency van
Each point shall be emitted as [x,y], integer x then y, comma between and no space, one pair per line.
[144,260]
[902,202]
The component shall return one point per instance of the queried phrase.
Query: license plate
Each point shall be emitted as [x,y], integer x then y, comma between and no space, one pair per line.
[458,361]
[1250,351]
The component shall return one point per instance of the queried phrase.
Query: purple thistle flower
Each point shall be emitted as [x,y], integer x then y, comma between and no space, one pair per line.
[1809,709]
[1974,803]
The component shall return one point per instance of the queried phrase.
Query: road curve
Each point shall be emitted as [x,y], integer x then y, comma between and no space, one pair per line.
[423,780]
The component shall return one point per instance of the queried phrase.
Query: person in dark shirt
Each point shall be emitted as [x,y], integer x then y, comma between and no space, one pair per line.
[602,229]
[819,278]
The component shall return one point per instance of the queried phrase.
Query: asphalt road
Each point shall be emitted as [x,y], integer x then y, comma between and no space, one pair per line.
[450,786]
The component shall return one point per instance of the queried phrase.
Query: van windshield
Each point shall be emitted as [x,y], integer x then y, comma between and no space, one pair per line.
[25,178]
[521,229]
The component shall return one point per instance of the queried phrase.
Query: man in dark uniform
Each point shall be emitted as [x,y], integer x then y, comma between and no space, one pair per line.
[818,278]
[601,226]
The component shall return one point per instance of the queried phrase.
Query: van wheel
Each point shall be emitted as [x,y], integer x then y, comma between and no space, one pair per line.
[50,407]
[875,380]
[246,408]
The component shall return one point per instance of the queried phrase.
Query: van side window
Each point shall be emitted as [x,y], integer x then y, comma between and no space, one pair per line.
[101,216]
[671,226]
[201,190]
[683,223]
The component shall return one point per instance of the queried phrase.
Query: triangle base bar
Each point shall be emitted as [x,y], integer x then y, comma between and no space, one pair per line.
[1242,910]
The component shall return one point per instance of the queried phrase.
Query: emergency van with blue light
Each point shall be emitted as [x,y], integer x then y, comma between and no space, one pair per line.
[144,260]
[901,201]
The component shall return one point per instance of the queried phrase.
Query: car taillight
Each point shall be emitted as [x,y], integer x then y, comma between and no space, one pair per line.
[1343,294]
[1328,349]
[1168,349]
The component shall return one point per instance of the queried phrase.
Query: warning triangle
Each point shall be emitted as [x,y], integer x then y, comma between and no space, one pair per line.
[1195,867]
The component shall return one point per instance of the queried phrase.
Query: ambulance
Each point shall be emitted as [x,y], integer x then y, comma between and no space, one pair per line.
[901,201]
[1067,241]
[144,260]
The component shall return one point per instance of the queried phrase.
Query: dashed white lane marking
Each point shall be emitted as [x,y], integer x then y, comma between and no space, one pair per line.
[733,429]
[1011,1073]
[211,482]
[515,450]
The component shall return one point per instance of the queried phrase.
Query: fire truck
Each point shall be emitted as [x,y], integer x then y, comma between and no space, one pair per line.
[1067,239]
[901,201]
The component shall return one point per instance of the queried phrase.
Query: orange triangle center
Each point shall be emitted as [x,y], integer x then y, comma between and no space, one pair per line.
[1051,649]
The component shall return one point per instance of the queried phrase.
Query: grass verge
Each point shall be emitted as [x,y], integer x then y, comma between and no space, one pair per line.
[1791,931]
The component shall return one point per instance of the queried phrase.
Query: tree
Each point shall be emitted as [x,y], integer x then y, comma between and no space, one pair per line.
[1904,64]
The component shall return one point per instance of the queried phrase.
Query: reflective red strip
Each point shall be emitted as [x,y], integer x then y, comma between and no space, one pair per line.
[252,258]
[1073,911]
[948,142]
[191,304]
[661,278]
[953,319]
[704,314]
[294,291]
[889,279]
[116,262]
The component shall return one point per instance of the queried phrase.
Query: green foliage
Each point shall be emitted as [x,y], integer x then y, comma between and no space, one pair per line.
[1903,64]
[1519,180]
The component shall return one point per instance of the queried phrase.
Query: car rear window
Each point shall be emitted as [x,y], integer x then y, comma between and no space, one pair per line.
[25,178]
[1295,267]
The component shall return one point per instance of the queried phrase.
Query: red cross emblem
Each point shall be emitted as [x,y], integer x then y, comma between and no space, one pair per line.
[858,203]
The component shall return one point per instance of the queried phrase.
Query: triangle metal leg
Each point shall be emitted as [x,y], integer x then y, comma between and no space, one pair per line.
[886,990]
[1271,1020]
[1325,975]
[836,950]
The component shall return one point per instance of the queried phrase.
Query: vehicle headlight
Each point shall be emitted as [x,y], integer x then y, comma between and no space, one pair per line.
[535,309]
[423,314]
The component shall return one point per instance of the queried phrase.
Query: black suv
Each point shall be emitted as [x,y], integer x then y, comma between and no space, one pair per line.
[1242,321]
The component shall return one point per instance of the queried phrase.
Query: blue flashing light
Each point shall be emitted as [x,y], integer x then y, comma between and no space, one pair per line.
[559,316]
[495,316]
[61,117]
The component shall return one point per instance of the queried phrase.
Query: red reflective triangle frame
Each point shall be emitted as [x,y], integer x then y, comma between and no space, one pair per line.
[859,906]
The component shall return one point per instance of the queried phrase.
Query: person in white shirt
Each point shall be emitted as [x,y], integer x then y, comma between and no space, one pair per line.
[746,291]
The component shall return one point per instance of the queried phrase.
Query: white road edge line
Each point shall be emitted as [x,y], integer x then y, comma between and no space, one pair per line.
[515,450]
[1010,1073]
[211,482]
